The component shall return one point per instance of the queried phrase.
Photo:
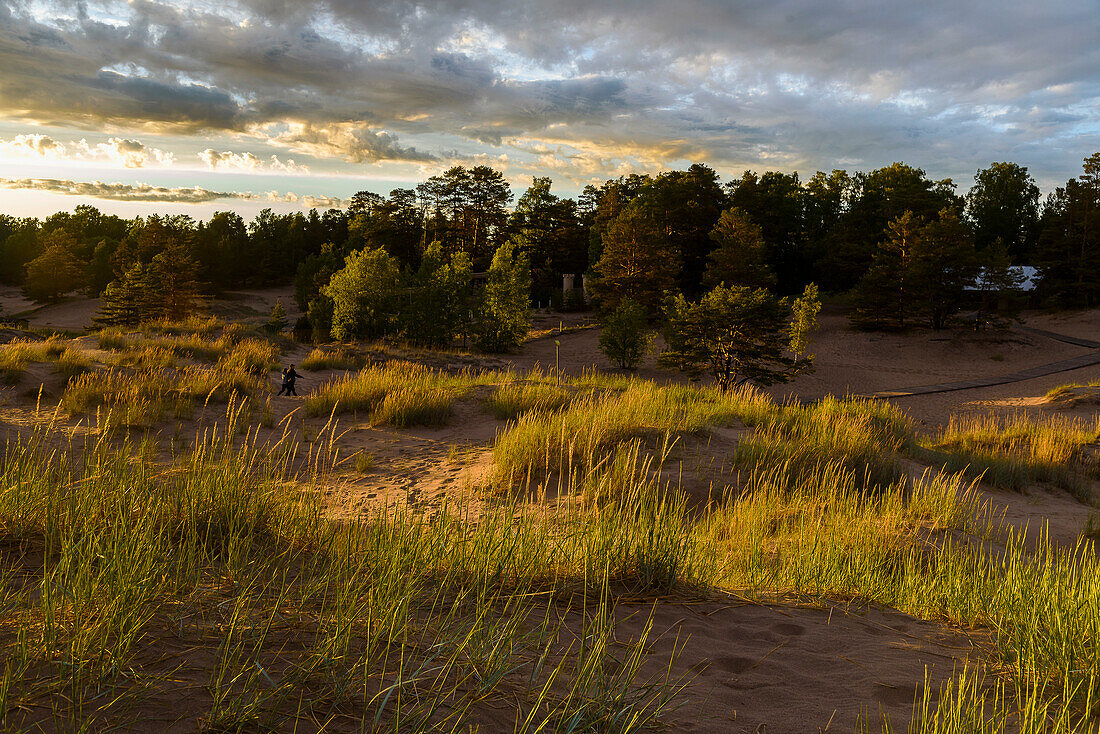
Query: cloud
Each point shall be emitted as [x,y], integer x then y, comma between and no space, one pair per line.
[116,151]
[353,143]
[948,86]
[142,192]
[230,161]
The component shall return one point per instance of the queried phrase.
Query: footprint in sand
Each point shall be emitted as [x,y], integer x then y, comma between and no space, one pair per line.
[895,695]
[731,664]
[789,629]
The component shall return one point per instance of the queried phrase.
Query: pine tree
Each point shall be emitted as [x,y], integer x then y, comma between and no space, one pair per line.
[126,299]
[56,271]
[942,266]
[740,255]
[173,284]
[625,336]
[277,322]
[637,262]
[881,296]
[738,334]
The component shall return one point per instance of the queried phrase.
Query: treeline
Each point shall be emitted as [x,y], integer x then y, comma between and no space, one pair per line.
[906,246]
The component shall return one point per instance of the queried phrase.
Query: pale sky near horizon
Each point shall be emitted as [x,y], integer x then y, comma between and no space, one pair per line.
[197,106]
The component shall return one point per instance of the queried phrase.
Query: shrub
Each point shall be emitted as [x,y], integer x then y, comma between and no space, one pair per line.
[277,322]
[625,337]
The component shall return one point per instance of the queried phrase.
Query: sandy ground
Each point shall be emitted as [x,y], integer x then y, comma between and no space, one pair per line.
[76,314]
[751,667]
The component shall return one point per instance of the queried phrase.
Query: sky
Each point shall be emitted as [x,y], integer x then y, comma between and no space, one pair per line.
[196,106]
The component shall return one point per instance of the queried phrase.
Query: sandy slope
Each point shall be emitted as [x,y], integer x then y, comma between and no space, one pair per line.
[752,667]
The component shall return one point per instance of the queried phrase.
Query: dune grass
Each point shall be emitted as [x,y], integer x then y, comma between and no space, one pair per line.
[141,398]
[389,622]
[398,393]
[1074,394]
[399,622]
[863,435]
[340,358]
[1013,452]
[17,354]
[405,622]
[515,398]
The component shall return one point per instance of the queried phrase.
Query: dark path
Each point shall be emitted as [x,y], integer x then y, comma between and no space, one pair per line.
[1065,365]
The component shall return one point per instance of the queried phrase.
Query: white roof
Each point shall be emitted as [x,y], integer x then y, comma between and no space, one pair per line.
[1030,275]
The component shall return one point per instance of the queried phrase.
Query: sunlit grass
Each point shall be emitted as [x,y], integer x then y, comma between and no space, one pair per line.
[1014,452]
[405,621]
[400,393]
[340,358]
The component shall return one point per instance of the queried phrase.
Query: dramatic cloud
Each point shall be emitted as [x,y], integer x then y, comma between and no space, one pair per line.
[581,89]
[161,194]
[351,142]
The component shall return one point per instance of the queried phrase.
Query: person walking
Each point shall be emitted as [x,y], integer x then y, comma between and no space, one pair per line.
[289,376]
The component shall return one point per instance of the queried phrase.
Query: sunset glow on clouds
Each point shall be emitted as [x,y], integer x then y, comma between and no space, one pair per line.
[327,98]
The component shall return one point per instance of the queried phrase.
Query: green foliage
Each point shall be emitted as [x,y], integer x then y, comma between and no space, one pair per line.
[804,313]
[362,295]
[738,334]
[277,321]
[57,271]
[125,300]
[320,318]
[1069,246]
[166,288]
[626,336]
[313,274]
[921,271]
[1003,208]
[944,264]
[554,236]
[638,261]
[739,257]
[504,304]
[437,305]
[172,283]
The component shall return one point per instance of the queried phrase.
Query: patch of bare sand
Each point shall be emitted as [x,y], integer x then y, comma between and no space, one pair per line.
[784,669]
[1082,324]
[71,314]
[1027,396]
[254,306]
[848,361]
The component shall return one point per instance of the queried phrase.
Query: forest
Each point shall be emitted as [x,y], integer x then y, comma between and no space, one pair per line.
[905,249]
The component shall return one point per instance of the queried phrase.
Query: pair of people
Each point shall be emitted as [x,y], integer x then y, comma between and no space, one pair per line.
[289,377]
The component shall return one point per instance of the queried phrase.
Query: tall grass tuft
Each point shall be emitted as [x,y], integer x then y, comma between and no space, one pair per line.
[1013,452]
[341,358]
[514,398]
[400,393]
